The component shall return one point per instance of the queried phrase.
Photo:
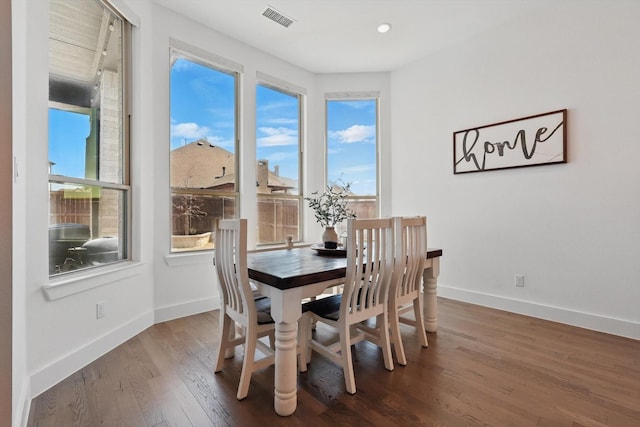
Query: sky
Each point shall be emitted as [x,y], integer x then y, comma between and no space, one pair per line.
[203,106]
[67,135]
[351,148]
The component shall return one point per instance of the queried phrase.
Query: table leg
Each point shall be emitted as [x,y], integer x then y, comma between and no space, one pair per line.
[286,311]
[285,398]
[430,278]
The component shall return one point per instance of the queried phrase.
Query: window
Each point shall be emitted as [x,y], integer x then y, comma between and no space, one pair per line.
[89,189]
[203,168]
[352,151]
[278,168]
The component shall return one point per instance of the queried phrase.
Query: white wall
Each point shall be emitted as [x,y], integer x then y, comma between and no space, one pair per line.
[63,335]
[21,391]
[572,229]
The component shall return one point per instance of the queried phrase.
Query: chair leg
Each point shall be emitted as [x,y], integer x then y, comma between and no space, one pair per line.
[385,342]
[396,338]
[234,331]
[304,335]
[347,360]
[309,328]
[272,339]
[419,314]
[226,327]
[247,364]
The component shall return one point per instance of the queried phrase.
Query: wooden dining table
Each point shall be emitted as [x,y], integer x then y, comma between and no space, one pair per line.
[288,276]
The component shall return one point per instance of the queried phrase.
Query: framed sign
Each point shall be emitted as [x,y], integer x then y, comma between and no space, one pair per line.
[529,141]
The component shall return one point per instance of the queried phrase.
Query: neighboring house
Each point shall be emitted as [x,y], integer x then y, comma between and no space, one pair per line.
[203,165]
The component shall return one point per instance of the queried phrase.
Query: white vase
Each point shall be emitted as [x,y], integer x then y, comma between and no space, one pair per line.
[330,238]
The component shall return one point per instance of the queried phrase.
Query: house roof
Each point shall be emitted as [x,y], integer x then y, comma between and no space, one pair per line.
[201,164]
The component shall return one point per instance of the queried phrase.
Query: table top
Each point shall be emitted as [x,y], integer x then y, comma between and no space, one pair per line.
[290,268]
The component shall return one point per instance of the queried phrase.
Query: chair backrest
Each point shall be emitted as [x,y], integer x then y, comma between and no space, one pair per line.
[231,265]
[410,254]
[369,267]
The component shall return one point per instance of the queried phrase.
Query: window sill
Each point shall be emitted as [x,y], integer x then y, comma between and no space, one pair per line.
[189,258]
[83,281]
[278,246]
[179,259]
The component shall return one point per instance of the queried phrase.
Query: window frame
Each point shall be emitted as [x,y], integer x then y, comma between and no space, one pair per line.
[125,144]
[355,96]
[178,49]
[300,94]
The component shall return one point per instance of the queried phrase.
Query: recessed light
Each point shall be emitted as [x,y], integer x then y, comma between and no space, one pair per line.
[384,28]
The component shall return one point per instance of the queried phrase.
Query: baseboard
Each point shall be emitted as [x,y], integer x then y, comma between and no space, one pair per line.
[87,353]
[620,327]
[176,311]
[57,371]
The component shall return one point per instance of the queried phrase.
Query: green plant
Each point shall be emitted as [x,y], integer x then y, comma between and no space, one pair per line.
[330,207]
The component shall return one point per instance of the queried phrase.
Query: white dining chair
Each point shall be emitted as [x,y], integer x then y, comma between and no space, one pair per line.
[364,296]
[405,290]
[240,306]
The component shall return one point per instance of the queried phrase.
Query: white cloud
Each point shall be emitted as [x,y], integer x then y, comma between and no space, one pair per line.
[284,121]
[357,105]
[182,64]
[356,169]
[279,157]
[277,136]
[355,133]
[221,142]
[188,130]
[276,106]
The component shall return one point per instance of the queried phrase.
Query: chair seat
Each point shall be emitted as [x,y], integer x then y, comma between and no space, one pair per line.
[328,308]
[263,307]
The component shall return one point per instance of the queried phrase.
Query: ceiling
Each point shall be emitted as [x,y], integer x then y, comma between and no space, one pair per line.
[332,36]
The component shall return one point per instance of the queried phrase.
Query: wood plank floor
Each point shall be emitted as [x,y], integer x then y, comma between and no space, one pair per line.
[483,367]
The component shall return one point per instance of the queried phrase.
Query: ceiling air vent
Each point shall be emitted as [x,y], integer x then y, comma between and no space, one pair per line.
[278,17]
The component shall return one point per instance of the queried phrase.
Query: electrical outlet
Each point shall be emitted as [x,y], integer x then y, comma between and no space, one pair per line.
[519,280]
[100,310]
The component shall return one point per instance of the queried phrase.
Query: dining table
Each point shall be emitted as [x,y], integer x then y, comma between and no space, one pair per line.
[288,276]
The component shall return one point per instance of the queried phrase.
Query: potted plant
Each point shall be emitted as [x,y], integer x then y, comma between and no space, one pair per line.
[330,208]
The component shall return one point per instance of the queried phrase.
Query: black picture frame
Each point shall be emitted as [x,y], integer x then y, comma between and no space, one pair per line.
[535,140]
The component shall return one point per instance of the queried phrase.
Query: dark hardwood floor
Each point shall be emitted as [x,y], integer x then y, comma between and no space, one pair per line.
[483,367]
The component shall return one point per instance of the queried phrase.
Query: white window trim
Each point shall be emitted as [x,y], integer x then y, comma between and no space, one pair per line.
[84,280]
[300,93]
[202,57]
[268,80]
[60,286]
[334,96]
[178,259]
[180,49]
[124,10]
[351,96]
